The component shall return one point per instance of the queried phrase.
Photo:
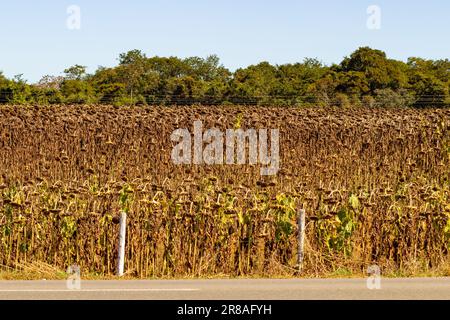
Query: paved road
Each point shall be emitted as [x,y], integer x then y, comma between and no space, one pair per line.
[418,288]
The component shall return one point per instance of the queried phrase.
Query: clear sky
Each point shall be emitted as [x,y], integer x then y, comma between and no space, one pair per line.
[35,39]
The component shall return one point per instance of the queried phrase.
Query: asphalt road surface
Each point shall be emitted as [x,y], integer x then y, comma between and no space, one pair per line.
[264,289]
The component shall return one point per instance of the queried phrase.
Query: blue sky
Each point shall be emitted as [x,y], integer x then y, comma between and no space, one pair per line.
[36,41]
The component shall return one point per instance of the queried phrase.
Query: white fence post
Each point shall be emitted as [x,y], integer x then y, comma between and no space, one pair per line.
[301,238]
[122,236]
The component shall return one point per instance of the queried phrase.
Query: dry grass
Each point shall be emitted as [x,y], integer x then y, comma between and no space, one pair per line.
[374,183]
[32,271]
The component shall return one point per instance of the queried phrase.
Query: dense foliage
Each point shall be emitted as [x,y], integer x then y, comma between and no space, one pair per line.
[367,77]
[374,184]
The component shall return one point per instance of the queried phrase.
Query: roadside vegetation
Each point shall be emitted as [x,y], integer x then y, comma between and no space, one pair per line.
[374,183]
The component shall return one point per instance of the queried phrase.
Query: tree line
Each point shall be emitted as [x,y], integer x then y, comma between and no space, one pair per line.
[367,77]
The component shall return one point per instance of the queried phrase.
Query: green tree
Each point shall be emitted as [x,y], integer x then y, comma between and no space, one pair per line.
[76,72]
[430,81]
[77,91]
[255,84]
[295,81]
[132,72]
[429,91]
[379,72]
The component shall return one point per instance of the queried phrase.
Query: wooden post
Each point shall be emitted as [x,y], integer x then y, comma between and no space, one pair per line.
[122,236]
[301,238]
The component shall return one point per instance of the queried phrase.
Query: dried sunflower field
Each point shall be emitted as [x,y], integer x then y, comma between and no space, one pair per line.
[374,184]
